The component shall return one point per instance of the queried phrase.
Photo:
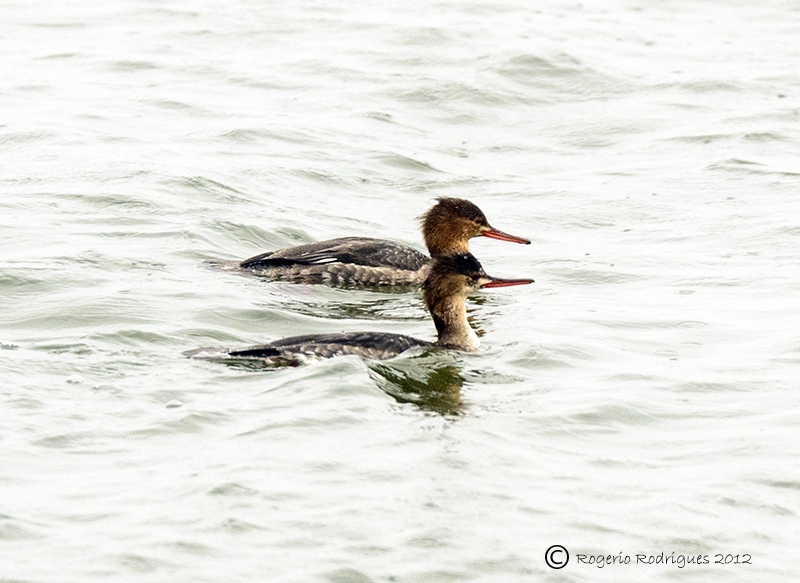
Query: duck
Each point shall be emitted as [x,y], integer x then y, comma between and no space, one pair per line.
[368,262]
[450,280]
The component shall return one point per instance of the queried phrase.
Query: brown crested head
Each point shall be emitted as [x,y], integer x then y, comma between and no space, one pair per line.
[449,225]
[450,280]
[459,275]
[452,276]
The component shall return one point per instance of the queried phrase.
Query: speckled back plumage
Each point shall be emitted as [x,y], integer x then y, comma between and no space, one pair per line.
[353,261]
[300,349]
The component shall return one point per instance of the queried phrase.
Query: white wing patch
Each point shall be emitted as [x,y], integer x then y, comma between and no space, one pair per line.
[324,260]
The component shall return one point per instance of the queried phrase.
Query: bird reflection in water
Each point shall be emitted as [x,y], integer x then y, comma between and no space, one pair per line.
[426,381]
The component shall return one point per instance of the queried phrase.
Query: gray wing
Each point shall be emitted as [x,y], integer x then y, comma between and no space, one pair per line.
[368,344]
[353,250]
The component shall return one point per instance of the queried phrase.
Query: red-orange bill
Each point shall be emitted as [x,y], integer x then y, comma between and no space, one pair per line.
[497,282]
[500,235]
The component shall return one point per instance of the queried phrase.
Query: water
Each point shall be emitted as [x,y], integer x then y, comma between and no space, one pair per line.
[640,398]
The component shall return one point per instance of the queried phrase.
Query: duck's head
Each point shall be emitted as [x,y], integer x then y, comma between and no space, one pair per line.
[449,225]
[460,275]
[451,279]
